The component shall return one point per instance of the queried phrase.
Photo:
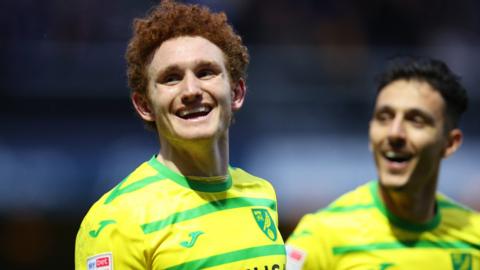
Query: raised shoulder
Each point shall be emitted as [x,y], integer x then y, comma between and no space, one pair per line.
[243,179]
[458,216]
[311,246]
[357,199]
[113,224]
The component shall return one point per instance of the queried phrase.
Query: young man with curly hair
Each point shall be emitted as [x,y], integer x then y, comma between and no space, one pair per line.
[399,221]
[185,208]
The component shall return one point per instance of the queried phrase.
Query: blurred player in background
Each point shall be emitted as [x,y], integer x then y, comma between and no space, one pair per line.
[185,208]
[400,221]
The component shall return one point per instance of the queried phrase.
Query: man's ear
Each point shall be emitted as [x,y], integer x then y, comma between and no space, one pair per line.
[238,95]
[142,106]
[454,140]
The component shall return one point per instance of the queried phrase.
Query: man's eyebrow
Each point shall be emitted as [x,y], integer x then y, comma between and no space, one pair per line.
[177,68]
[383,108]
[428,116]
[166,70]
[207,63]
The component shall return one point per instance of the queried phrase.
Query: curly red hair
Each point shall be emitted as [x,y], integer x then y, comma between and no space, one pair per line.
[169,20]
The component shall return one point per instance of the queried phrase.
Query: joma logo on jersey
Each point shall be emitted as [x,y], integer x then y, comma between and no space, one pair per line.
[461,261]
[102,225]
[265,222]
[193,238]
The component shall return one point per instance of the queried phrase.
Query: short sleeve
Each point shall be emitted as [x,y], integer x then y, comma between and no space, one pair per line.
[308,247]
[109,241]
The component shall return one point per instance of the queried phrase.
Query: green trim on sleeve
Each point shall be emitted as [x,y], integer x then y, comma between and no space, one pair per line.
[206,209]
[302,233]
[348,208]
[404,245]
[403,224]
[195,185]
[233,256]
[119,190]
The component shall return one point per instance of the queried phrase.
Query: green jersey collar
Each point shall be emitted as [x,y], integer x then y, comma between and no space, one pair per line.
[192,184]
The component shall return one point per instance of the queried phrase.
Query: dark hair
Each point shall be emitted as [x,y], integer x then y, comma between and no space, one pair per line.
[434,72]
[170,20]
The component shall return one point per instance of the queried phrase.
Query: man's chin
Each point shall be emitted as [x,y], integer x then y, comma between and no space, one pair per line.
[394,183]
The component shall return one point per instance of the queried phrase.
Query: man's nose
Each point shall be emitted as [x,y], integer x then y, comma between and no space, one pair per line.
[397,133]
[191,88]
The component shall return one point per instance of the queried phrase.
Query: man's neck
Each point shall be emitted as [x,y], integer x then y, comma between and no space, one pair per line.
[414,206]
[199,159]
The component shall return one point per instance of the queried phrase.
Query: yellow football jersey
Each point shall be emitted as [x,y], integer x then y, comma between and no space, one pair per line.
[357,232]
[157,219]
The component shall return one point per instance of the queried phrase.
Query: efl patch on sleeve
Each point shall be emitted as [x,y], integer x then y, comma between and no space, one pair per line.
[102,261]
[295,258]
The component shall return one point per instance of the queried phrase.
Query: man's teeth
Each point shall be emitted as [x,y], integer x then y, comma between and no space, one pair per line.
[390,154]
[396,156]
[201,109]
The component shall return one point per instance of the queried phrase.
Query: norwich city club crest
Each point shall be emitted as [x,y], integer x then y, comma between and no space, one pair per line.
[461,261]
[265,222]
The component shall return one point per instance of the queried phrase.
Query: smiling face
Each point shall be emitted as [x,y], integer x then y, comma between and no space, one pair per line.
[408,135]
[190,96]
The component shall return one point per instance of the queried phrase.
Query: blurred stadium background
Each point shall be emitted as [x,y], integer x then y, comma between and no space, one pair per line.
[68,132]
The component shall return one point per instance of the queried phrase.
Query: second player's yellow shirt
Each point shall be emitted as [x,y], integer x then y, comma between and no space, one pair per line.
[157,219]
[358,232]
